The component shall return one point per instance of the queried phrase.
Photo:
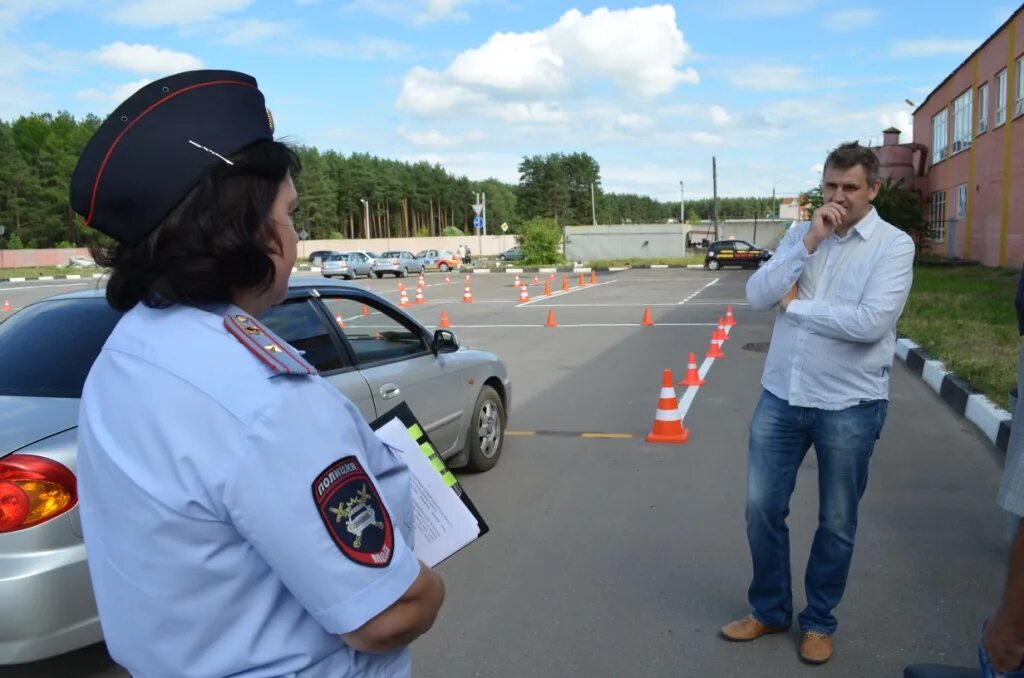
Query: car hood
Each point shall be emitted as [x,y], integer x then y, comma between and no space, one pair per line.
[25,420]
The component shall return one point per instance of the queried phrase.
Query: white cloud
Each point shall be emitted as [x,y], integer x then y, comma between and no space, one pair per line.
[719,115]
[176,13]
[933,47]
[634,123]
[521,76]
[766,77]
[250,31]
[366,50]
[437,10]
[437,139]
[817,169]
[706,139]
[140,58]
[749,9]
[113,96]
[851,19]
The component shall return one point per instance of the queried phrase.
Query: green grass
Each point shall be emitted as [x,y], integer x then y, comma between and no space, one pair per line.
[965,317]
[36,271]
[671,261]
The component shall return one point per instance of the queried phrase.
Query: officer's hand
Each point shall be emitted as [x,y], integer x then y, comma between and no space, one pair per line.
[823,222]
[793,293]
[1004,647]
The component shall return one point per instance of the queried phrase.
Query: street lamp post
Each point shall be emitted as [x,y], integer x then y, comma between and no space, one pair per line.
[366,205]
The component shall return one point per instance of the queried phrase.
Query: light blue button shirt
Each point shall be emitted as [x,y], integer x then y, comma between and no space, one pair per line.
[833,347]
[207,552]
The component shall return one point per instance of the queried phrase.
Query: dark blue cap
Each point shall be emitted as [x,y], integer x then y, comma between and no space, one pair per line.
[146,157]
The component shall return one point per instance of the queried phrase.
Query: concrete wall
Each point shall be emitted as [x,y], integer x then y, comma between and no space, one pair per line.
[768,231]
[635,241]
[30,258]
[489,245]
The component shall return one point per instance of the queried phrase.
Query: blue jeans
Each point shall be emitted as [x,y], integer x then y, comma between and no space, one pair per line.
[780,436]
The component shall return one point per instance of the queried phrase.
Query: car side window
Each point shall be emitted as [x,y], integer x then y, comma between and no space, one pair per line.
[374,333]
[741,246]
[297,322]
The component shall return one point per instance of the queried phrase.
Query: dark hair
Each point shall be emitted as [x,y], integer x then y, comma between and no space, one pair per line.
[849,155]
[217,240]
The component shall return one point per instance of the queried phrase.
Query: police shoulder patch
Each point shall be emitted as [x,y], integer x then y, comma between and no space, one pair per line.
[354,514]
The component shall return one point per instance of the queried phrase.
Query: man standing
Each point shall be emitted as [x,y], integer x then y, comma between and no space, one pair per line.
[840,282]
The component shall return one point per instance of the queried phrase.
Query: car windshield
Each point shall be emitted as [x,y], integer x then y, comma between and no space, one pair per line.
[46,349]
[337,257]
[392,255]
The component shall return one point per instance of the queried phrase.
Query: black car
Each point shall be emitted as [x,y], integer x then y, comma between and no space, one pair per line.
[320,256]
[735,253]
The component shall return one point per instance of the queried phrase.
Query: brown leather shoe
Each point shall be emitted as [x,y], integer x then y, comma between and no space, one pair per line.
[748,628]
[816,648]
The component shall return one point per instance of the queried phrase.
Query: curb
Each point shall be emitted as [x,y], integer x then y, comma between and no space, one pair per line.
[990,419]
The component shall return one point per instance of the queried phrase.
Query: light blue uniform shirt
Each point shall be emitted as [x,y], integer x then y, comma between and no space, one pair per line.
[833,347]
[208,553]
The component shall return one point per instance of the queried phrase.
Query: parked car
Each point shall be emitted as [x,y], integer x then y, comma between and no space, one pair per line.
[370,256]
[319,255]
[442,260]
[460,395]
[347,264]
[398,263]
[735,253]
[513,254]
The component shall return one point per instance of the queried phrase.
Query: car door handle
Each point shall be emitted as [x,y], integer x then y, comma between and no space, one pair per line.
[389,391]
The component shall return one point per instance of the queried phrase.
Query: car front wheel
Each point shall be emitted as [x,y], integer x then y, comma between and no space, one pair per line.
[486,431]
[444,268]
[713,265]
[379,275]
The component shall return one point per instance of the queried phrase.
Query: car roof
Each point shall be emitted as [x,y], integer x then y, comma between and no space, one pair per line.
[296,286]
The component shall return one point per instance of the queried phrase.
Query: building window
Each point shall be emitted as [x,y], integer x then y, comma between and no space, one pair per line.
[939,136]
[962,122]
[937,227]
[961,201]
[983,108]
[1001,97]
[1018,107]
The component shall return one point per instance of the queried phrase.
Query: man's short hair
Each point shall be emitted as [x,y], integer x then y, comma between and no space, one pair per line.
[849,155]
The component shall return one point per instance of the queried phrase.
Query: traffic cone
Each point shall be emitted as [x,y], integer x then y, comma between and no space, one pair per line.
[692,373]
[467,278]
[445,323]
[583,280]
[719,334]
[467,296]
[419,296]
[551,319]
[401,286]
[516,283]
[404,300]
[648,321]
[447,280]
[536,280]
[551,277]
[547,288]
[565,283]
[593,277]
[420,283]
[7,306]
[366,310]
[723,335]
[524,296]
[729,319]
[715,349]
[668,425]
[337,319]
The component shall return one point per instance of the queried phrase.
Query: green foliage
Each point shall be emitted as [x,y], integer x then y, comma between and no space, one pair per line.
[65,244]
[903,208]
[539,238]
[422,232]
[502,204]
[452,230]
[812,199]
[14,242]
[693,219]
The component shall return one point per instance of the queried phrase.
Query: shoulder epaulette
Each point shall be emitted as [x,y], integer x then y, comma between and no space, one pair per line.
[276,354]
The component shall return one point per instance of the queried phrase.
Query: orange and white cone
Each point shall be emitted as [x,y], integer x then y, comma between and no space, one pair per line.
[719,334]
[647,321]
[7,306]
[551,319]
[715,349]
[692,373]
[467,296]
[723,330]
[547,288]
[419,296]
[730,320]
[404,299]
[668,425]
[516,283]
[338,319]
[366,310]
[583,280]
[524,296]
[445,323]
[536,280]
[565,283]
[593,277]
[401,286]
[447,280]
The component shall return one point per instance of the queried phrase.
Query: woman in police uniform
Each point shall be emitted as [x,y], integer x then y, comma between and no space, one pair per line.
[240,516]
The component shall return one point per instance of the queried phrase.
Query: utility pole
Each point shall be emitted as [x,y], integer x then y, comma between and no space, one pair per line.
[774,204]
[593,204]
[366,204]
[482,232]
[714,184]
[682,201]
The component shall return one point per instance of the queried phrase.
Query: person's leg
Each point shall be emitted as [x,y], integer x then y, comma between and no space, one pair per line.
[779,439]
[843,442]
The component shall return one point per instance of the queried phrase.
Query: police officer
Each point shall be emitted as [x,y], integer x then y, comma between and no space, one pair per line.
[240,516]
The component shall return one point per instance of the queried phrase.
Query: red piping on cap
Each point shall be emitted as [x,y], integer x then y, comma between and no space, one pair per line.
[117,140]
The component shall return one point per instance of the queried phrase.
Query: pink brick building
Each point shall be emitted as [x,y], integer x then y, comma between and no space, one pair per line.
[972,125]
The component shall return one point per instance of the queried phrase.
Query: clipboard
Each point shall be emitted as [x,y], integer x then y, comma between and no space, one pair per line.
[446,519]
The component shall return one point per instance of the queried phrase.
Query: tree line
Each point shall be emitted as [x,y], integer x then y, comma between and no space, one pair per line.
[342,196]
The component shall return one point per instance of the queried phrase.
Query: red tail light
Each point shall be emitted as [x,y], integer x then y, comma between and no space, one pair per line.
[33,490]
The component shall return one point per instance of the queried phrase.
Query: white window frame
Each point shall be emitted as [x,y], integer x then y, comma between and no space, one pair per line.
[961,201]
[1000,94]
[1018,106]
[940,136]
[983,109]
[937,224]
[962,122]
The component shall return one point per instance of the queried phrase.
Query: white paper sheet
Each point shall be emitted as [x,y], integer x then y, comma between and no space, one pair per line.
[443,524]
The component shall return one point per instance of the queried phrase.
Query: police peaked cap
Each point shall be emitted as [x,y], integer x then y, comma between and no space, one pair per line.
[152,150]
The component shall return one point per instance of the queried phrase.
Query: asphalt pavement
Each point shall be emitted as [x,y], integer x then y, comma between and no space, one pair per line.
[611,557]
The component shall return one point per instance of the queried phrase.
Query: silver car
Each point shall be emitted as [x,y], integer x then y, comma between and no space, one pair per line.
[398,263]
[347,265]
[371,351]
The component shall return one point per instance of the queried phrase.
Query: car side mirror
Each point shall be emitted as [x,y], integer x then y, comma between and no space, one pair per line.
[445,341]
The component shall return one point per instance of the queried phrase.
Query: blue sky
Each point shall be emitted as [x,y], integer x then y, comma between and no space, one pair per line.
[652,91]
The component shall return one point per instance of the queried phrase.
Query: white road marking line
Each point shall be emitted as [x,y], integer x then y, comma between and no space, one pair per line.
[562,293]
[691,391]
[698,292]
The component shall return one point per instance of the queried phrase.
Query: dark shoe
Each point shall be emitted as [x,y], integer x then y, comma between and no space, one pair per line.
[748,628]
[816,648]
